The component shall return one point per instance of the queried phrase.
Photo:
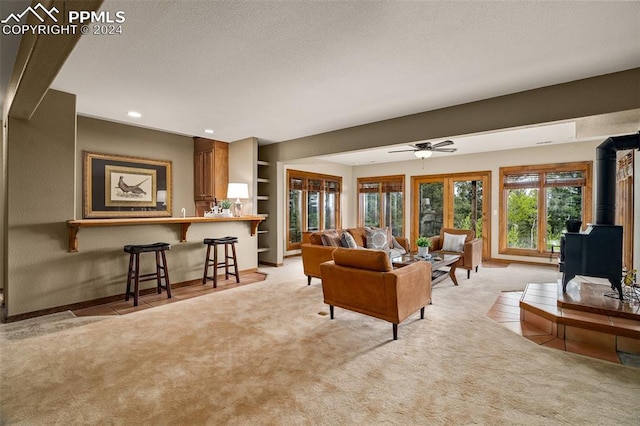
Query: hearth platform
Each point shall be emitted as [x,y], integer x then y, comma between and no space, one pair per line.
[585,313]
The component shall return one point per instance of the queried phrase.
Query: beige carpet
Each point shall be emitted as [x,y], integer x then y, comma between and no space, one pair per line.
[268,354]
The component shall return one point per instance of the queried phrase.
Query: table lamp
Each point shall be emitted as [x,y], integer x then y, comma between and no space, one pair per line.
[237,191]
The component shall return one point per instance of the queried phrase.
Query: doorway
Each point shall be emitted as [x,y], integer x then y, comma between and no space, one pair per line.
[461,200]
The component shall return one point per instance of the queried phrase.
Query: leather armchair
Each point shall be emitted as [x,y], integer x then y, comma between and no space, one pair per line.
[471,255]
[364,281]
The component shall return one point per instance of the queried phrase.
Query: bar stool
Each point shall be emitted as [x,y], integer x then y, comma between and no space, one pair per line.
[162,271]
[215,242]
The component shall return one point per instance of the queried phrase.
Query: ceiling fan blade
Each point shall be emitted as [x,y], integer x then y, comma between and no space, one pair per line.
[443,143]
[404,150]
[421,146]
[445,149]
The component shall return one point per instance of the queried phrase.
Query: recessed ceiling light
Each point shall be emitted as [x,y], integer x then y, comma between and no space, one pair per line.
[134,114]
[208,130]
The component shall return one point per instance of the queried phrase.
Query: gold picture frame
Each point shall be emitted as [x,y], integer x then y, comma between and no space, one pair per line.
[122,186]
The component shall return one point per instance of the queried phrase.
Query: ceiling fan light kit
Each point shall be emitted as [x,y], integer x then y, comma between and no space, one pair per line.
[425,149]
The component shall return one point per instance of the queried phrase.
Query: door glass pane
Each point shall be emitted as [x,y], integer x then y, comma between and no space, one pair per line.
[431,212]
[313,211]
[370,210]
[563,202]
[393,212]
[522,218]
[467,205]
[329,210]
[295,216]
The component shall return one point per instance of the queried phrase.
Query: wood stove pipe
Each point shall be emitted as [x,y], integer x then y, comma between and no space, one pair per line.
[606,175]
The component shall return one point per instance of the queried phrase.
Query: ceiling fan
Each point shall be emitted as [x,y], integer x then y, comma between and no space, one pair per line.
[425,149]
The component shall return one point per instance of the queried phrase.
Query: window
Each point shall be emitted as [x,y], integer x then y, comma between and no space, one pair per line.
[535,202]
[381,203]
[314,204]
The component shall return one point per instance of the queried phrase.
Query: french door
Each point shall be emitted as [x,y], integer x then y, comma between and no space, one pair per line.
[452,201]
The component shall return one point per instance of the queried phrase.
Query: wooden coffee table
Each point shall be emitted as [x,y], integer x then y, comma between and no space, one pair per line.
[437,261]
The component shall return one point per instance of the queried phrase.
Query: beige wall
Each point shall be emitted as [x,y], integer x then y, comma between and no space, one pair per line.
[40,184]
[112,138]
[45,190]
[243,155]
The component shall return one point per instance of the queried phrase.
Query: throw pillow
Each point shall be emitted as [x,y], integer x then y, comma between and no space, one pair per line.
[348,240]
[377,238]
[331,238]
[453,242]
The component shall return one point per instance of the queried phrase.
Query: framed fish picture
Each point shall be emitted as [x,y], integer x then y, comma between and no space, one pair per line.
[121,186]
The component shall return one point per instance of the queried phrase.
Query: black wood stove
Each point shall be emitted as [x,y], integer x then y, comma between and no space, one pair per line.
[597,251]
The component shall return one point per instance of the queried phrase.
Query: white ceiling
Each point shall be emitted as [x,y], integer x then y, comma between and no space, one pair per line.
[556,133]
[279,70]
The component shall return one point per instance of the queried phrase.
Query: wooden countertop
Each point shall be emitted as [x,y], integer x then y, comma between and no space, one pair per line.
[184,222]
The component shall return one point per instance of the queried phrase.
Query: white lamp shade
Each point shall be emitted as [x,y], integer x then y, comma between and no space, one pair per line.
[238,190]
[161,196]
[422,154]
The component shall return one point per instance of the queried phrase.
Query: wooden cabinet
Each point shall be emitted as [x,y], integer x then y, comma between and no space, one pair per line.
[210,170]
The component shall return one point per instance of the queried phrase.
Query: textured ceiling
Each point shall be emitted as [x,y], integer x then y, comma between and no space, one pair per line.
[283,70]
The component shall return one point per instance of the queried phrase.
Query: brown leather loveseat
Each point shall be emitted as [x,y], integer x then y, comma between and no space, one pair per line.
[315,252]
[364,281]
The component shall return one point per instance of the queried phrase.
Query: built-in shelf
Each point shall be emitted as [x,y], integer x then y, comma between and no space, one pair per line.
[184,222]
[262,194]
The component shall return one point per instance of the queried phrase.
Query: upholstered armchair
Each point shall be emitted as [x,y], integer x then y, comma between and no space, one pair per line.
[364,281]
[462,242]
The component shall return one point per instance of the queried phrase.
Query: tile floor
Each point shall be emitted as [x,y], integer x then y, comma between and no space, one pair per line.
[147,301]
[506,311]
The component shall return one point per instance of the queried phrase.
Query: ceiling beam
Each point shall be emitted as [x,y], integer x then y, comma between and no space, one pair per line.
[40,58]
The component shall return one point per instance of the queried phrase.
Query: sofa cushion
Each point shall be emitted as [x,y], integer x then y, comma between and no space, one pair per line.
[378,238]
[372,260]
[359,235]
[316,238]
[331,238]
[347,240]
[453,242]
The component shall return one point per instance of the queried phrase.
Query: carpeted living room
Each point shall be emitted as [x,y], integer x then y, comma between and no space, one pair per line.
[312,212]
[268,353]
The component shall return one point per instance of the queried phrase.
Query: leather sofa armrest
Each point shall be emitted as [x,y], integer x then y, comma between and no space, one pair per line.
[313,255]
[404,242]
[409,288]
[436,243]
[473,253]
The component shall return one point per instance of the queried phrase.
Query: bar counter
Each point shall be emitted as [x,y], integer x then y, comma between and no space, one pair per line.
[184,222]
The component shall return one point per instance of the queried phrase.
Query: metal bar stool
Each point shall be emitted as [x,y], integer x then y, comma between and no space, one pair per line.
[215,242]
[162,271]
